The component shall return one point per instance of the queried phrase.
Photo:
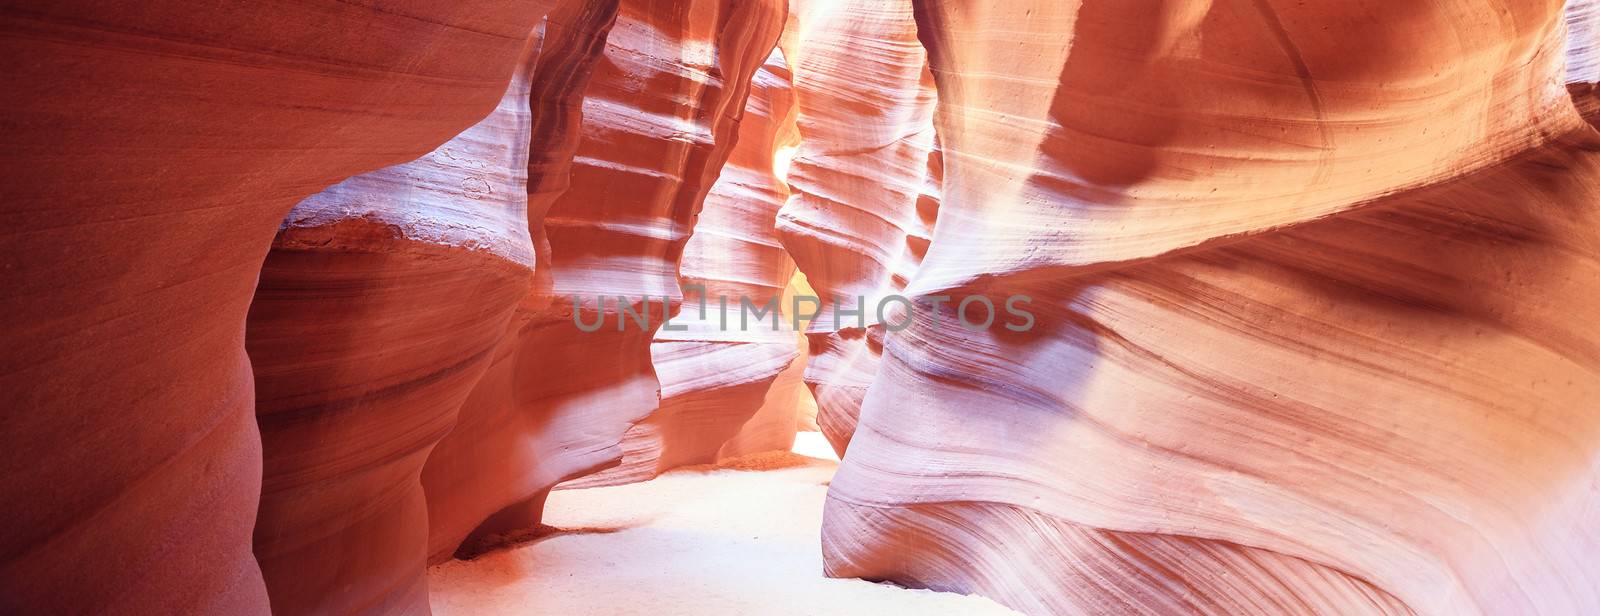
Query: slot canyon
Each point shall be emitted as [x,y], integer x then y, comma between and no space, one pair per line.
[1044,307]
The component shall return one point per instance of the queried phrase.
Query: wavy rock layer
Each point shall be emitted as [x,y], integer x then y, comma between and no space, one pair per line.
[377,311]
[1078,116]
[788,408]
[1289,354]
[575,35]
[659,119]
[858,222]
[715,370]
[1583,41]
[1583,57]
[1310,288]
[163,145]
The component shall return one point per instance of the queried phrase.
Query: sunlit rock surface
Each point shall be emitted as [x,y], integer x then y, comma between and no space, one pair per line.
[1583,41]
[1313,328]
[718,359]
[1309,297]
[863,205]
[154,149]
[1583,56]
[658,121]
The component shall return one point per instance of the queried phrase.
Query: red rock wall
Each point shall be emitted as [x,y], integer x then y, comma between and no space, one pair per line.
[1278,291]
[858,221]
[574,39]
[158,146]
[378,310]
[659,120]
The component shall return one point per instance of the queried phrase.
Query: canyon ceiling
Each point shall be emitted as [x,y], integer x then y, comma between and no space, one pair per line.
[300,297]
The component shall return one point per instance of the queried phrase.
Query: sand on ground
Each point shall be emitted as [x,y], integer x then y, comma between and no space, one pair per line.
[738,539]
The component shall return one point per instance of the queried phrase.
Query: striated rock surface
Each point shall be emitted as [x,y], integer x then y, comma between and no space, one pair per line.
[659,119]
[788,408]
[1583,41]
[156,148]
[573,39]
[717,361]
[1291,304]
[1310,331]
[864,201]
[1128,101]
[377,311]
[1583,56]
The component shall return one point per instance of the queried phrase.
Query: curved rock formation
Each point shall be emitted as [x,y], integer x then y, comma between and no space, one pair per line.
[862,209]
[575,35]
[717,361]
[1291,304]
[158,146]
[788,408]
[1310,331]
[376,313]
[659,120]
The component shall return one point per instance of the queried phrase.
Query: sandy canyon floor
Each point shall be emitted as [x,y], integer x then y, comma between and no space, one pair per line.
[742,538]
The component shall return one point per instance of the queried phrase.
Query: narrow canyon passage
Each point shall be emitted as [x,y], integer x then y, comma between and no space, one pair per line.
[880,307]
[740,537]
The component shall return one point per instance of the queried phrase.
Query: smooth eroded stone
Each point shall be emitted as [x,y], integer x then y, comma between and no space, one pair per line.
[658,119]
[155,147]
[719,361]
[377,311]
[1311,292]
[866,189]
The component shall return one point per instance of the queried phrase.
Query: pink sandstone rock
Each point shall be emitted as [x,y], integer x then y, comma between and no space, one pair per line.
[1311,326]
[718,361]
[658,122]
[1583,56]
[377,312]
[157,146]
[1310,293]
[862,210]
[575,35]
[1583,41]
